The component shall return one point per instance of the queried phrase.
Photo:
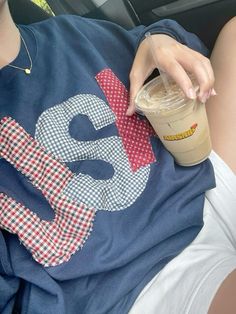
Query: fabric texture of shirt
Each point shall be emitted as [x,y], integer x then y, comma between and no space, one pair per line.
[190,281]
[91,204]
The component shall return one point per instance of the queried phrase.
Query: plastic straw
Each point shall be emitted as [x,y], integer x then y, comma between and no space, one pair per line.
[162,74]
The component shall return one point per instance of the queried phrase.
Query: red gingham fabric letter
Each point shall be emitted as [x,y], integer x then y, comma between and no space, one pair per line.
[135,133]
[50,243]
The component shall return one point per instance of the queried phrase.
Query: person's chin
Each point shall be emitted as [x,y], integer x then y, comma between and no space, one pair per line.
[2,2]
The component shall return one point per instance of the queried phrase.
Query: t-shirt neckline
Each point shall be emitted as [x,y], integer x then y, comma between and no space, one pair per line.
[22,59]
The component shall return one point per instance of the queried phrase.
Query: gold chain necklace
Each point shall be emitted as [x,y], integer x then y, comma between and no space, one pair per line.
[26,70]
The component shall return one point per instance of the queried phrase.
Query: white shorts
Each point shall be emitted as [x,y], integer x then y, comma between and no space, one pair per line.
[188,284]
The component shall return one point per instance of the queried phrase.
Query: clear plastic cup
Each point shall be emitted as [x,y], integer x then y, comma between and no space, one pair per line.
[180,123]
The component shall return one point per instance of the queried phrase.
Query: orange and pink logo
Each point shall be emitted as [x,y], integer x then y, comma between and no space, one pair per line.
[182,135]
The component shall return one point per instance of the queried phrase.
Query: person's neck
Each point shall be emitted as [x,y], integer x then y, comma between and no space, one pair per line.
[9,37]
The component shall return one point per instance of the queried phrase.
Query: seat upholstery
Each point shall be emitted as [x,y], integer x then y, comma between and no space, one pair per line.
[26,12]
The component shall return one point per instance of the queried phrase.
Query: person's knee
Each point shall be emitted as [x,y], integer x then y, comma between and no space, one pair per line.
[230,27]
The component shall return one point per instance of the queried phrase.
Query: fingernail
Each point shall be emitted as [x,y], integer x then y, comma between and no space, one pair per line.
[191,93]
[204,98]
[209,94]
[129,112]
[213,92]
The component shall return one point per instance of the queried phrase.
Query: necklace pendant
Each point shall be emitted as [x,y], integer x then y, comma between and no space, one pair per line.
[27,71]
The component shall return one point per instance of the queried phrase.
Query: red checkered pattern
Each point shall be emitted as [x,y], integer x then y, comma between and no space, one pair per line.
[135,133]
[50,242]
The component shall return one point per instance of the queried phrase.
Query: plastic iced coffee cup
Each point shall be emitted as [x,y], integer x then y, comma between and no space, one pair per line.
[180,123]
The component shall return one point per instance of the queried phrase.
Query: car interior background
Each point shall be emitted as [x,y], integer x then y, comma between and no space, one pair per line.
[203,17]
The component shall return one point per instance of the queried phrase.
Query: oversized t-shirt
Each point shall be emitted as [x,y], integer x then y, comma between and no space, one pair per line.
[92,205]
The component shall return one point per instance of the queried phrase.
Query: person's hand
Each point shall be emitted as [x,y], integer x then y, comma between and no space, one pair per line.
[176,60]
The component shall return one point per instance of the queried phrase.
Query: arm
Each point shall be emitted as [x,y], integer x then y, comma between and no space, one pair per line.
[178,52]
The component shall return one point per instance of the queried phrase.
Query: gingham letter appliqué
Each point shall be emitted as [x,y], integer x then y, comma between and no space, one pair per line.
[50,242]
[130,154]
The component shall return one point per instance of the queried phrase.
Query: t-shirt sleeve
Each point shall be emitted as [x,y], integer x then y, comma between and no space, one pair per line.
[105,32]
[176,31]
[9,284]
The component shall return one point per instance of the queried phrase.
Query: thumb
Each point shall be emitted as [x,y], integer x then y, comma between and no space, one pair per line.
[136,82]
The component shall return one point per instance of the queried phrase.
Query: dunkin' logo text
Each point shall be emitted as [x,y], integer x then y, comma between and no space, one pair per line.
[182,135]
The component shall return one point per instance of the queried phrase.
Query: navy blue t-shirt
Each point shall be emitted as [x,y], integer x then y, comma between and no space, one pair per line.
[92,206]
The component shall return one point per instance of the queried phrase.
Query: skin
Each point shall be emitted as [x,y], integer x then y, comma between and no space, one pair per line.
[175,59]
[9,36]
[221,113]
[224,301]
[222,109]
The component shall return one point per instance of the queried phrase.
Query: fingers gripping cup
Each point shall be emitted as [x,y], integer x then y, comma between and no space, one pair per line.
[180,123]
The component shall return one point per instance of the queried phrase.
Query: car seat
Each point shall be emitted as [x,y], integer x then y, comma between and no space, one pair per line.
[26,12]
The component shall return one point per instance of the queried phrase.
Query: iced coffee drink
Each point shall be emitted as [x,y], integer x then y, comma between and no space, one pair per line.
[180,123]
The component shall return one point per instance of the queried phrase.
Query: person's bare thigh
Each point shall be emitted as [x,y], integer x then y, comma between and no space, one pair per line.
[224,301]
[221,109]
